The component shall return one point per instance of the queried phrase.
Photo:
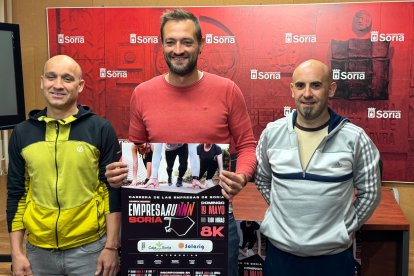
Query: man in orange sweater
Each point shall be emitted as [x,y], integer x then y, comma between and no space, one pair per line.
[187,105]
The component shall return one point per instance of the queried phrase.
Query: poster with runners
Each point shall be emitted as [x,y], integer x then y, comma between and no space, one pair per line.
[170,230]
[195,165]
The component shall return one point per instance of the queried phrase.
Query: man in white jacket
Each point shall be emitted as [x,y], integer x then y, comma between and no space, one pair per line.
[309,165]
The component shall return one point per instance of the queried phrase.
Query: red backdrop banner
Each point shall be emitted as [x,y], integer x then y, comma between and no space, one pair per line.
[368,45]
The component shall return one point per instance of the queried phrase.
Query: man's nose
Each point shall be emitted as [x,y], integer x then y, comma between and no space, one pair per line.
[58,83]
[307,92]
[178,48]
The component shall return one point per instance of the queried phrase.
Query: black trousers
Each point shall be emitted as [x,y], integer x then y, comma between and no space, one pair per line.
[182,153]
[281,263]
[208,165]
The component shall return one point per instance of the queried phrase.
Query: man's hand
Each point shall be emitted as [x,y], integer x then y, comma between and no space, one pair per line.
[21,265]
[115,173]
[108,263]
[232,183]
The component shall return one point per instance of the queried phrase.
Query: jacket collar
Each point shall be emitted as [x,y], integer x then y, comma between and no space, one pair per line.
[334,119]
[40,115]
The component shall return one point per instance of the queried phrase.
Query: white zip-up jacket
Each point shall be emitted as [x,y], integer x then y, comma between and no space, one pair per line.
[315,211]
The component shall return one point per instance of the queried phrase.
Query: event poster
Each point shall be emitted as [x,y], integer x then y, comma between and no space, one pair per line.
[369,46]
[174,231]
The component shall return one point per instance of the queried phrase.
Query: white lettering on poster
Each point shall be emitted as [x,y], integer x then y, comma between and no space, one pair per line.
[70,39]
[338,75]
[223,39]
[257,75]
[383,114]
[143,39]
[104,73]
[303,38]
[397,37]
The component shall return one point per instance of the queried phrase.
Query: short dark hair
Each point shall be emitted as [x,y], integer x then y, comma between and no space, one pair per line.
[180,15]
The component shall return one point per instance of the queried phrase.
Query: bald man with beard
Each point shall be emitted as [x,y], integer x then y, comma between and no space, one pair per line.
[309,165]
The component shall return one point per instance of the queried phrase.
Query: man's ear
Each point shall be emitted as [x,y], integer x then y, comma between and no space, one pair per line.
[332,90]
[81,85]
[202,44]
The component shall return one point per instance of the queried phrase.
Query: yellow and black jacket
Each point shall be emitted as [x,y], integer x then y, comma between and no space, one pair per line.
[57,189]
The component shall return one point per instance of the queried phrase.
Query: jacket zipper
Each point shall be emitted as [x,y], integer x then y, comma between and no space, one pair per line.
[97,218]
[305,170]
[56,186]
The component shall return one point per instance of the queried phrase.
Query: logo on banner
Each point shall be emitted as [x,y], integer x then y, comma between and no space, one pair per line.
[287,110]
[220,39]
[70,39]
[104,73]
[175,246]
[142,39]
[383,114]
[376,36]
[294,38]
[257,75]
[338,75]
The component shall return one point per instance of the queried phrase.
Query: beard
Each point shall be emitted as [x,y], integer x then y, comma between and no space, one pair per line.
[311,113]
[307,113]
[182,70]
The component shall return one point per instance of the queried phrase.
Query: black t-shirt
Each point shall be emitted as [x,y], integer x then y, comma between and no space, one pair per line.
[209,155]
